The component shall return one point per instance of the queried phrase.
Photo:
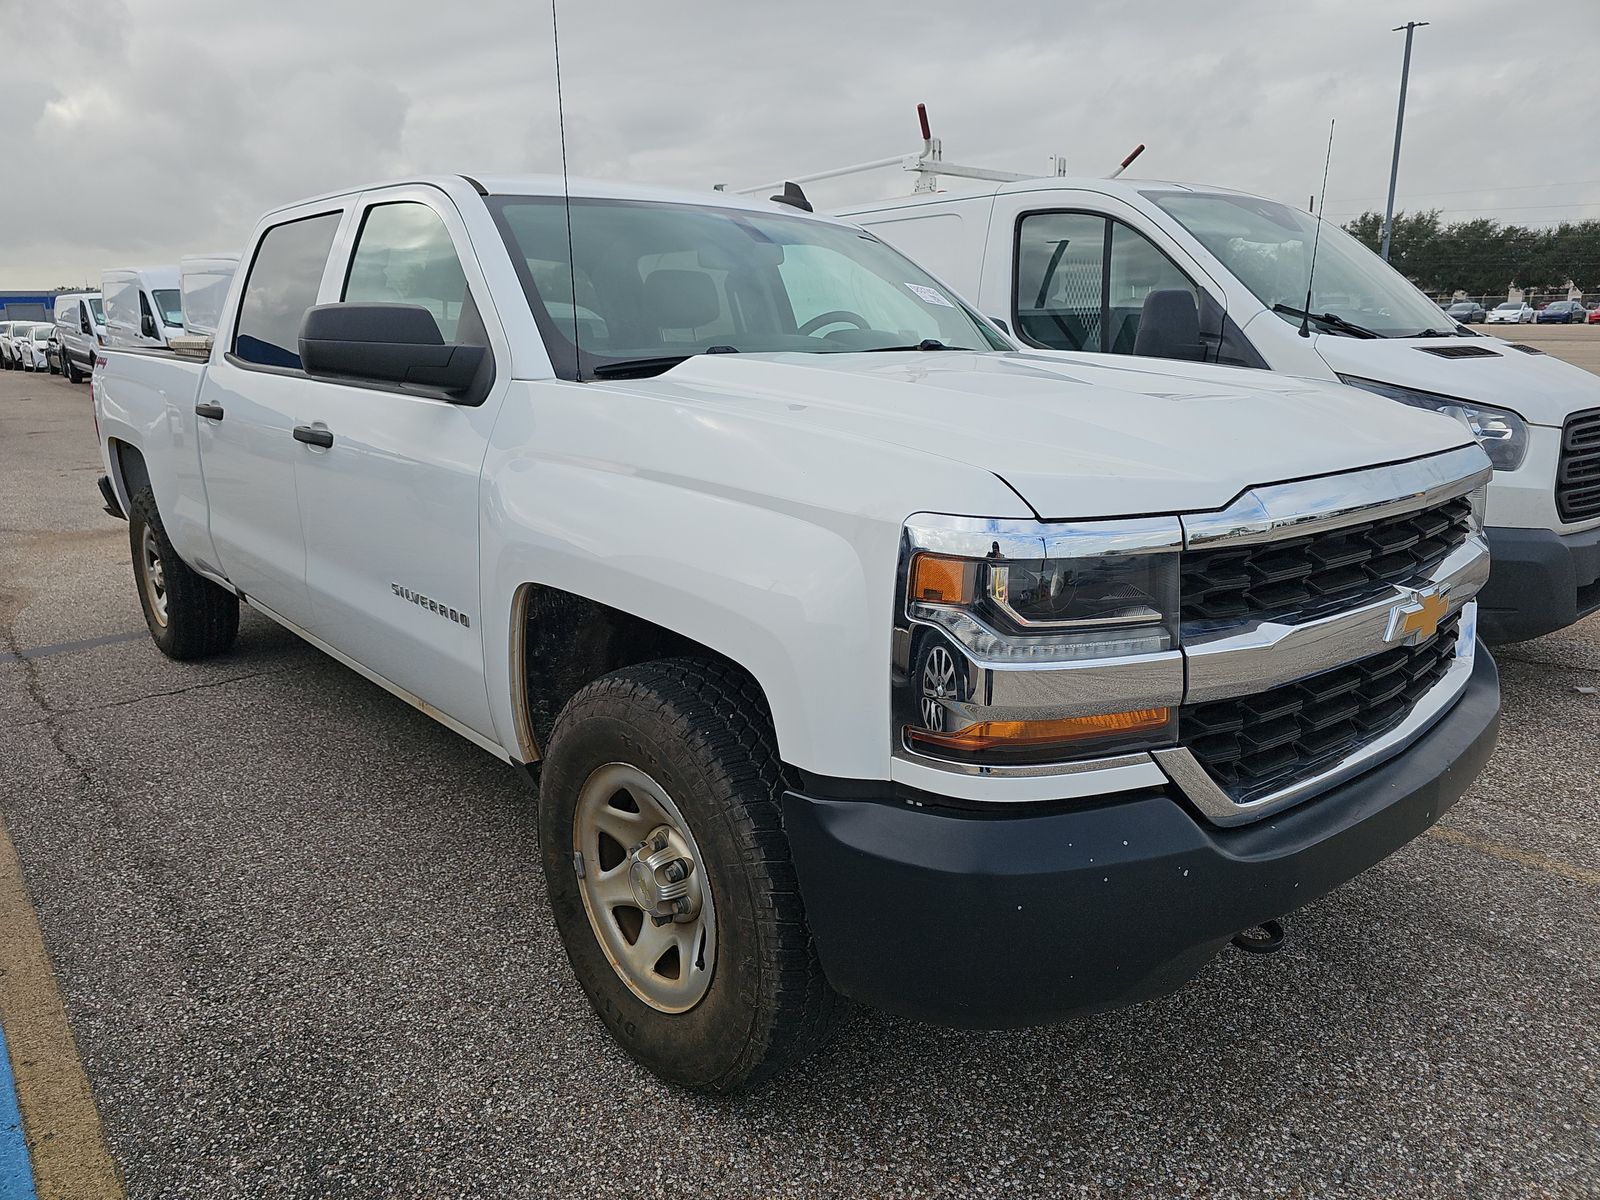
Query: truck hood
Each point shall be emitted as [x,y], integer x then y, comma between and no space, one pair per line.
[1074,435]
[1538,387]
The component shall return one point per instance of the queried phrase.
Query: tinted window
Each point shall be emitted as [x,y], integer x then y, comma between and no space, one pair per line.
[404,256]
[283,283]
[170,302]
[1061,280]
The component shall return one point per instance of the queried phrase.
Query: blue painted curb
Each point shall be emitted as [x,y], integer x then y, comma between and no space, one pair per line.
[16,1173]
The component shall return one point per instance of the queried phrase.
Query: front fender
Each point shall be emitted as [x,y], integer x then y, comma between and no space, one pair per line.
[775,547]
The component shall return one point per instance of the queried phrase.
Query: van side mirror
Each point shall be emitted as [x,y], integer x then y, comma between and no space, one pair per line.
[1169,326]
[83,324]
[147,325]
[390,343]
[1004,328]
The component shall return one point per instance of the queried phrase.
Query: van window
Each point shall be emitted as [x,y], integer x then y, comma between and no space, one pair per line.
[1077,290]
[170,302]
[404,255]
[1061,266]
[1137,269]
[282,284]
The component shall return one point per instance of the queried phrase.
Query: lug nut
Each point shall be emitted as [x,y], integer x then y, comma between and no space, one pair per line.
[661,918]
[674,870]
[661,841]
[681,904]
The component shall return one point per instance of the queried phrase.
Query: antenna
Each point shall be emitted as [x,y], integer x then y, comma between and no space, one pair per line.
[566,193]
[1305,319]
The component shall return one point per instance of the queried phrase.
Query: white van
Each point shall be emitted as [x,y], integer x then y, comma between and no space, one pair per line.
[142,306]
[204,280]
[81,329]
[1094,265]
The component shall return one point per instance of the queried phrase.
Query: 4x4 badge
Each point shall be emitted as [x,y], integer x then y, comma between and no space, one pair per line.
[1417,619]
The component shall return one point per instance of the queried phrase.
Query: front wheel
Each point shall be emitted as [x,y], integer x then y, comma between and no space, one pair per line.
[670,877]
[188,615]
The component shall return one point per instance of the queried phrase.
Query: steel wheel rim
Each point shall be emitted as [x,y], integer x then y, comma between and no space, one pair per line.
[658,932]
[155,575]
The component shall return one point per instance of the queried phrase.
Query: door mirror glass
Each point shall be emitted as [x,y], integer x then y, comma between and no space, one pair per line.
[147,325]
[397,344]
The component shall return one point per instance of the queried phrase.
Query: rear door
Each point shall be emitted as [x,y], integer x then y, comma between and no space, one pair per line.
[252,400]
[390,508]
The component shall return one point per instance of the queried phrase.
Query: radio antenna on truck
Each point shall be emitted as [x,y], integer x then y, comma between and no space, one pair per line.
[1322,202]
[566,193]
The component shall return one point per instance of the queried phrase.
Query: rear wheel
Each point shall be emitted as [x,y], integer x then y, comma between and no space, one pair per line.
[670,877]
[188,615]
[69,368]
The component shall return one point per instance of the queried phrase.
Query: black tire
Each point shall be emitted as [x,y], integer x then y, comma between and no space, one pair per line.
[201,619]
[68,369]
[703,732]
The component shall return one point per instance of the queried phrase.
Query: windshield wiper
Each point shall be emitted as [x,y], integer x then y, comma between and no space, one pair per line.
[924,344]
[1331,320]
[638,368]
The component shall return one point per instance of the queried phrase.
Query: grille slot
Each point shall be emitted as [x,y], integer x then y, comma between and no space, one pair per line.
[1578,475]
[1255,745]
[1460,351]
[1322,572]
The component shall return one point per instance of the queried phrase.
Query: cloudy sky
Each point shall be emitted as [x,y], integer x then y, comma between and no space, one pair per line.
[141,130]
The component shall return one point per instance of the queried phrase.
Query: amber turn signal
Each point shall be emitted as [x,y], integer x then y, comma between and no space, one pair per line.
[936,580]
[1019,735]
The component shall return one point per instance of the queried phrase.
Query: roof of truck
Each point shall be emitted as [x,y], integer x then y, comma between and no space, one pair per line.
[554,185]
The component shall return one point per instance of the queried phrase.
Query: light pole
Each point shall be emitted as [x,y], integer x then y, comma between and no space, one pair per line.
[1399,123]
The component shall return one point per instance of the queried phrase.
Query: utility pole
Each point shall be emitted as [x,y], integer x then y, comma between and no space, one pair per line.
[1399,123]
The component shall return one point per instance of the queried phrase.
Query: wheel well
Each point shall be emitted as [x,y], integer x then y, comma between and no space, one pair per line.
[130,466]
[568,641]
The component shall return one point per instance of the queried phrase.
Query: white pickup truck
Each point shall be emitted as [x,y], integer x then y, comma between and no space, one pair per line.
[854,650]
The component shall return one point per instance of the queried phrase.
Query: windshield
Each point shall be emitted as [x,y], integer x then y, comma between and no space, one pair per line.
[1267,245]
[657,282]
[98,310]
[169,301]
[1509,306]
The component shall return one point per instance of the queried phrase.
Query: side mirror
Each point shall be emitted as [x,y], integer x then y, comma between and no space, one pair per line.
[1169,326]
[390,343]
[147,325]
[83,324]
[1004,328]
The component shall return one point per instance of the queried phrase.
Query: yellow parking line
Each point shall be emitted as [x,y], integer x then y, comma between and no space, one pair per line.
[65,1139]
[1515,854]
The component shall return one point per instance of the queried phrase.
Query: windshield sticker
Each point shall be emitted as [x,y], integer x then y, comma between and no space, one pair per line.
[928,294]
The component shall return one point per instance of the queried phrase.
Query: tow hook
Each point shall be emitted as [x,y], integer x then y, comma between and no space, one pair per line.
[1265,938]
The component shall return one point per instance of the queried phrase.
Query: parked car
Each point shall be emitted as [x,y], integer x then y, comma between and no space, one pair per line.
[1512,312]
[1562,312]
[1594,315]
[205,279]
[80,322]
[7,359]
[30,341]
[142,306]
[1468,312]
[53,356]
[861,651]
[1072,265]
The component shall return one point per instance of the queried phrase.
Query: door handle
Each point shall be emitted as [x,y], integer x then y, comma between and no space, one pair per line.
[212,412]
[312,436]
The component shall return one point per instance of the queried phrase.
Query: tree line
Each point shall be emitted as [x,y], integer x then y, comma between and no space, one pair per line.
[1483,257]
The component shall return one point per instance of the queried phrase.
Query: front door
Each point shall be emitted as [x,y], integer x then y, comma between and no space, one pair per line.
[390,508]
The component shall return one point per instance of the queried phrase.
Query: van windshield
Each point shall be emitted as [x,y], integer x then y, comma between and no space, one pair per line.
[170,302]
[1267,246]
[655,283]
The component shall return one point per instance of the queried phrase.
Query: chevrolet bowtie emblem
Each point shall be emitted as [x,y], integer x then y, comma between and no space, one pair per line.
[1417,619]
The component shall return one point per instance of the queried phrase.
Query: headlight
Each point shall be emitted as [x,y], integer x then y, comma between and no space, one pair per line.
[1024,643]
[1501,432]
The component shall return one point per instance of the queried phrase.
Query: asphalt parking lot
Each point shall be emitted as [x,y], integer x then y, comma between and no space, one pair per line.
[297,932]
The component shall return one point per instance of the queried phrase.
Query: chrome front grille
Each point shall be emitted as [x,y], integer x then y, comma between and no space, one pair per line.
[1578,475]
[1255,745]
[1304,577]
